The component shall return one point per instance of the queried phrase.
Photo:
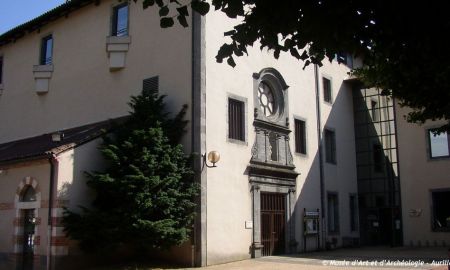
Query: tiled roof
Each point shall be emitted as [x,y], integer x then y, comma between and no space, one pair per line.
[49,16]
[43,146]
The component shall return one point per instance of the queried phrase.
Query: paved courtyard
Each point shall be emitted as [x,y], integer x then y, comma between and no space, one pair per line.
[360,258]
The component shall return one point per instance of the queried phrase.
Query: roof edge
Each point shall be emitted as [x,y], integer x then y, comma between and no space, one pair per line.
[52,15]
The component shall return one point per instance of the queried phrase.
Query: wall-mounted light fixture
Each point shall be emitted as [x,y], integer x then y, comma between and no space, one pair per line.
[213,157]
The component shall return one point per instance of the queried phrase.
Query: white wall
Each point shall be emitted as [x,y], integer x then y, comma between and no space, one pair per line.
[418,176]
[228,193]
[82,89]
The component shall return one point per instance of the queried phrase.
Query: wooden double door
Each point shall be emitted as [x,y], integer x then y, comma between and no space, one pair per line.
[273,223]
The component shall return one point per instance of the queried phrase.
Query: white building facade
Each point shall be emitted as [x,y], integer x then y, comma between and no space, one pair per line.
[287,180]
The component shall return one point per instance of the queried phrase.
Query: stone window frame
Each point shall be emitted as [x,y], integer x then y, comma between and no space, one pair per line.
[427,130]
[306,136]
[43,40]
[245,101]
[330,79]
[335,145]
[2,71]
[433,228]
[275,80]
[355,195]
[338,230]
[113,19]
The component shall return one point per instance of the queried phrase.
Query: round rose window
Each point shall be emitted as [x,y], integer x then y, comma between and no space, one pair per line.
[266,99]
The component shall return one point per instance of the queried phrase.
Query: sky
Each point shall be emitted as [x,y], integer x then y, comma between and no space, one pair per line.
[16,12]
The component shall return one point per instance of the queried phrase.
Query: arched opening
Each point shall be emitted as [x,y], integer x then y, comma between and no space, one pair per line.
[29,194]
[28,220]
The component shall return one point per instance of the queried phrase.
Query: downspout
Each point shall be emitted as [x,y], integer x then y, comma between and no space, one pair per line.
[53,173]
[319,143]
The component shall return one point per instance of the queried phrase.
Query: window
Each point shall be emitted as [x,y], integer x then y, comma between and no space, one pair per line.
[333,213]
[439,144]
[353,213]
[46,50]
[330,146]
[1,69]
[377,152]
[375,111]
[236,121]
[300,136]
[441,210]
[326,90]
[120,20]
[344,58]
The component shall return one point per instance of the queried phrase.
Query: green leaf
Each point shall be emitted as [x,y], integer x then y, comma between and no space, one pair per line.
[183,10]
[231,62]
[182,20]
[160,3]
[200,6]
[295,53]
[229,33]
[166,22]
[163,11]
[276,54]
[147,3]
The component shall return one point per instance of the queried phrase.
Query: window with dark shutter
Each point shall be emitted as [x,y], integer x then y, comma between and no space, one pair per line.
[300,136]
[330,146]
[326,90]
[151,84]
[236,122]
[1,69]
[46,50]
[353,213]
[333,213]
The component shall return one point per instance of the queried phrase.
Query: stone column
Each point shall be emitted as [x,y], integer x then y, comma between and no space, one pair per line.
[256,245]
[291,208]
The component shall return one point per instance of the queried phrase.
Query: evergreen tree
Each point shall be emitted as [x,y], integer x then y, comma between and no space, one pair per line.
[145,197]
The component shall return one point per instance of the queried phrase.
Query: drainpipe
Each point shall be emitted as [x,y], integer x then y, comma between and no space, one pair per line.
[53,174]
[319,143]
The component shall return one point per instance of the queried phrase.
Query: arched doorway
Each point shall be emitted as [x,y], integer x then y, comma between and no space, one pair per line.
[28,223]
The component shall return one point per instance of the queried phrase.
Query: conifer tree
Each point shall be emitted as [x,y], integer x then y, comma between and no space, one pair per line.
[145,196]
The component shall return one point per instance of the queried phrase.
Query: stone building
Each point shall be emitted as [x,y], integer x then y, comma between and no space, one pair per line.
[290,178]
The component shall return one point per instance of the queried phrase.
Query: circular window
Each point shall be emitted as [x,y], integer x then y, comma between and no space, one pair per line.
[266,99]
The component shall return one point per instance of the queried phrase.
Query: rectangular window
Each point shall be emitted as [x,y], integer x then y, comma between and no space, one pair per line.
[441,210]
[1,69]
[330,146]
[236,119]
[46,50]
[375,111]
[378,157]
[353,213]
[300,136]
[326,90]
[342,58]
[333,213]
[345,58]
[439,144]
[120,20]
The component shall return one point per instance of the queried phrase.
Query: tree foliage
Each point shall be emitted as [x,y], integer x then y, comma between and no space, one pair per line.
[144,198]
[402,44]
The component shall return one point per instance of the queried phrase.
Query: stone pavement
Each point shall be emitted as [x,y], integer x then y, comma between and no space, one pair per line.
[356,259]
